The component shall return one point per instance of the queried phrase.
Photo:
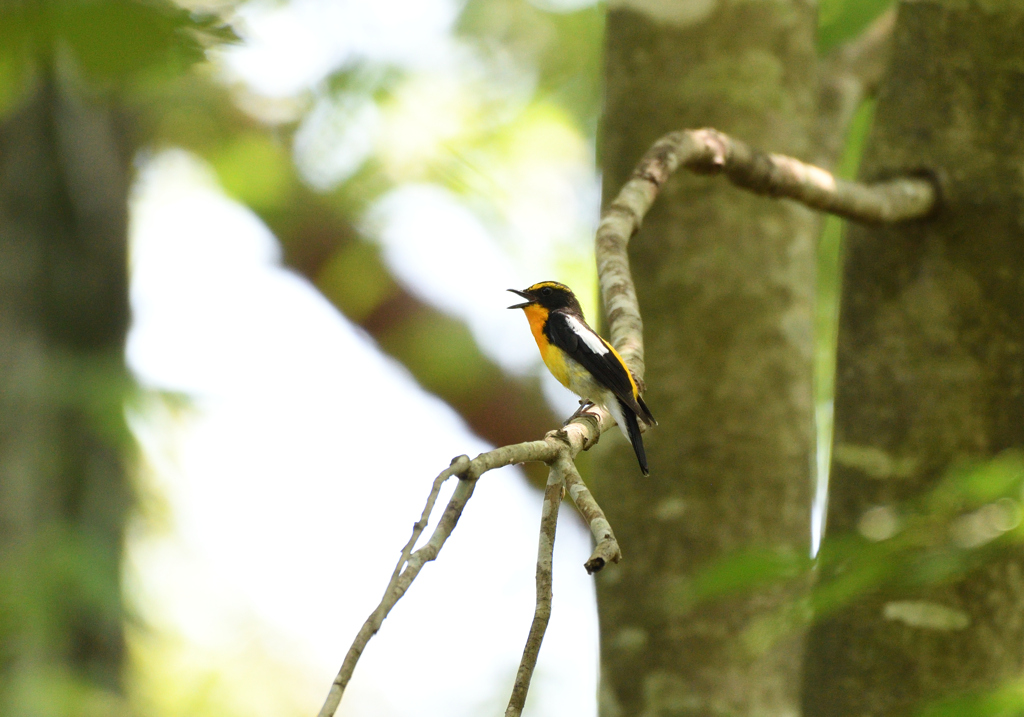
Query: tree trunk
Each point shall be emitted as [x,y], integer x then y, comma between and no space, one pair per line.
[63,316]
[725,282]
[930,356]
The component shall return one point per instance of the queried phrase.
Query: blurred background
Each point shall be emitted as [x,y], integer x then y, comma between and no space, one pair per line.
[321,204]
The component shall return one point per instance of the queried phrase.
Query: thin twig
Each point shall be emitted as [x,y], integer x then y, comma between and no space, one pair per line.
[607,548]
[563,444]
[402,578]
[542,611]
[458,466]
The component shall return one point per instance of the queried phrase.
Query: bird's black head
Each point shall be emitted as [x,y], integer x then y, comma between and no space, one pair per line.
[549,294]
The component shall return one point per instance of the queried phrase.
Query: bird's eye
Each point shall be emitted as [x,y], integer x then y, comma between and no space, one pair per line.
[546,291]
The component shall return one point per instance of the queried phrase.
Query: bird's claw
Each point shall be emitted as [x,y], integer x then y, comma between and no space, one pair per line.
[584,409]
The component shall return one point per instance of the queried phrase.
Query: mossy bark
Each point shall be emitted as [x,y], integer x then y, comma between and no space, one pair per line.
[725,283]
[63,316]
[930,355]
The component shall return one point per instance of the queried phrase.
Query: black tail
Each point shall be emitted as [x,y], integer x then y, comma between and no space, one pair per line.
[635,437]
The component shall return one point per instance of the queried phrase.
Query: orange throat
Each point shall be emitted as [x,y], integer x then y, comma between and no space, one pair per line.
[537,316]
[552,356]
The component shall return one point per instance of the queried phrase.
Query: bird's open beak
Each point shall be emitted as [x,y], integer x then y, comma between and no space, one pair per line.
[525,296]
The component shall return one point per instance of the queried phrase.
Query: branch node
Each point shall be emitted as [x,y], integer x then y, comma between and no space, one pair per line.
[560,435]
[606,551]
[464,469]
[594,435]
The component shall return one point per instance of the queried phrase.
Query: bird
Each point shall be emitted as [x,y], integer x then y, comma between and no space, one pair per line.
[584,362]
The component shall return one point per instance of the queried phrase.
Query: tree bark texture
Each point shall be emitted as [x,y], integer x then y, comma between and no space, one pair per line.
[931,355]
[725,284]
[63,316]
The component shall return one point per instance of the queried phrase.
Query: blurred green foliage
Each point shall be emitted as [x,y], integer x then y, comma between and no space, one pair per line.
[735,574]
[563,49]
[356,280]
[109,40]
[265,190]
[63,577]
[420,340]
[841,20]
[971,516]
[829,278]
[45,581]
[1004,701]
[65,440]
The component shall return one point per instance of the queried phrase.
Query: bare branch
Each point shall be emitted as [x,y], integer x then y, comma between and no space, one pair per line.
[458,466]
[607,549]
[556,447]
[708,151]
[542,612]
[401,579]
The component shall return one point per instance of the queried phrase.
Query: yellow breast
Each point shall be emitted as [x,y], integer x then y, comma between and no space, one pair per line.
[553,358]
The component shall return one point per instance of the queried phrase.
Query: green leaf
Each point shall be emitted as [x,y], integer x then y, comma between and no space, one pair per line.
[1004,701]
[841,20]
[736,573]
[109,39]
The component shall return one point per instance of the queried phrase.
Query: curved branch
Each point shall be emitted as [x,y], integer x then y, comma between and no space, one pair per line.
[708,151]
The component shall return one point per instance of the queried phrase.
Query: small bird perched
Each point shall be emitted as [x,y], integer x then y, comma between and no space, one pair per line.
[582,361]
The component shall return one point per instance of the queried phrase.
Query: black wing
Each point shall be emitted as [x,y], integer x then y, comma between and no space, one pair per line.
[582,344]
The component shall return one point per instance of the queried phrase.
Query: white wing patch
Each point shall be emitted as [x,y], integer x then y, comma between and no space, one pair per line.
[592,340]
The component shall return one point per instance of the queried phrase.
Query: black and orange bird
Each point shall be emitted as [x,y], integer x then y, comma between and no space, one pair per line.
[582,361]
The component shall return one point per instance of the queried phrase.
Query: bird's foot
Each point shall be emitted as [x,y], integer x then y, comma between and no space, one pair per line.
[584,409]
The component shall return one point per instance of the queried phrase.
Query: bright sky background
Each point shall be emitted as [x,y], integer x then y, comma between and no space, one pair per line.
[272,527]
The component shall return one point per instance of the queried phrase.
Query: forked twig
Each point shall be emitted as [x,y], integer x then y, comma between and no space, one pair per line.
[557,448]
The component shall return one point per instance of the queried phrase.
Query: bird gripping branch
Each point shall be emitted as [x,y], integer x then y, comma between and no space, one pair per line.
[584,362]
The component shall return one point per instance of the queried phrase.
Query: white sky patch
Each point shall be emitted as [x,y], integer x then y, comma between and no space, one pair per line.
[543,198]
[280,511]
[562,5]
[536,184]
[550,192]
[336,137]
[289,47]
[443,253]
[423,115]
